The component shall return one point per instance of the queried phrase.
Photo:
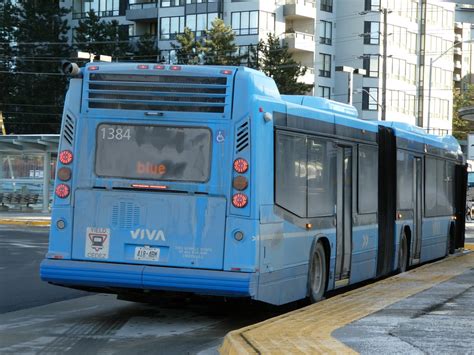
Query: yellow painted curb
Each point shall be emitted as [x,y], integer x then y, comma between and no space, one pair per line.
[19,222]
[469,246]
[308,330]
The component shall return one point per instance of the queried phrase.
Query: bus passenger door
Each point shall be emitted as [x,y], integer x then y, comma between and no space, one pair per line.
[418,215]
[344,216]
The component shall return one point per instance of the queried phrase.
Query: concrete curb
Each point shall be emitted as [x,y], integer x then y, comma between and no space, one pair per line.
[25,222]
[309,330]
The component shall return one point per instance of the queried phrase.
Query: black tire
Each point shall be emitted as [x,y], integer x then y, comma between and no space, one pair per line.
[451,244]
[317,277]
[403,255]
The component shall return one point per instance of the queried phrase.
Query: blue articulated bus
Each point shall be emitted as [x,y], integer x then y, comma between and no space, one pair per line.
[206,180]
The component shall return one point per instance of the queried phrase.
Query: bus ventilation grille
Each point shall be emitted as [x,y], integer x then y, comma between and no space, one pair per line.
[242,141]
[125,215]
[158,92]
[69,129]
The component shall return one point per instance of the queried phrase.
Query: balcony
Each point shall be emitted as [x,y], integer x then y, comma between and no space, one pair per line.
[299,42]
[299,9]
[142,11]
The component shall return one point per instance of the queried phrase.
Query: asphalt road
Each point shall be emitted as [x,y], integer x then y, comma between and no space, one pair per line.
[21,252]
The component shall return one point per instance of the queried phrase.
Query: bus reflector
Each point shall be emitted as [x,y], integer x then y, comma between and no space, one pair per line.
[241,165]
[239,200]
[226,71]
[64,174]
[159,67]
[240,183]
[175,67]
[62,191]
[65,157]
[142,66]
[93,67]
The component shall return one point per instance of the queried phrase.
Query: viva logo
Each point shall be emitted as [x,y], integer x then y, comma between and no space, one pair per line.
[150,234]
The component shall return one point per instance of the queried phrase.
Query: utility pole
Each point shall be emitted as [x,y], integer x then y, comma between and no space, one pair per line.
[384,67]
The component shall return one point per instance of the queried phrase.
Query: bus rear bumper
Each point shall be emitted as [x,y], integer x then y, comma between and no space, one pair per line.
[109,275]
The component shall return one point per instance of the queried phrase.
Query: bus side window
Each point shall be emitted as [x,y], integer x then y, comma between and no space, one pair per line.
[368,179]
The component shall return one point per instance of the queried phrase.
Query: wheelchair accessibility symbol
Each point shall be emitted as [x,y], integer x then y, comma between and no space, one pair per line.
[220,136]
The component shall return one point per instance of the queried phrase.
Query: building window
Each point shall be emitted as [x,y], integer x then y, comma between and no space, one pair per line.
[371,32]
[266,22]
[172,3]
[198,23]
[245,23]
[325,32]
[371,65]
[370,98]
[325,70]
[326,5]
[103,8]
[325,91]
[372,5]
[170,27]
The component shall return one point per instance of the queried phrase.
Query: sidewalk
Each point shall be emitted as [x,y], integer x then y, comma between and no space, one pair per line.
[322,328]
[33,218]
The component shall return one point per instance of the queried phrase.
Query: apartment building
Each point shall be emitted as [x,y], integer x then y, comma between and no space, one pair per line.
[464,50]
[292,20]
[322,35]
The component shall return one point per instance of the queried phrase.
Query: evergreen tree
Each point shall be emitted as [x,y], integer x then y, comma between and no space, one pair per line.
[8,25]
[461,127]
[188,49]
[219,46]
[146,49]
[275,61]
[101,37]
[39,86]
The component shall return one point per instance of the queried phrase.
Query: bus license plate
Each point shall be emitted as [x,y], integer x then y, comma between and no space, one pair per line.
[147,253]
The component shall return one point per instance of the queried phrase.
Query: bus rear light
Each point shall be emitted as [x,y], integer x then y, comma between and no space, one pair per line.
[241,165]
[93,67]
[65,157]
[159,67]
[61,224]
[239,200]
[62,191]
[226,71]
[142,66]
[175,67]
[240,183]
[238,236]
[64,174]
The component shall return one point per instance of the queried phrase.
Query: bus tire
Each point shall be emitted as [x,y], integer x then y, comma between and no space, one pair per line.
[451,243]
[403,254]
[317,279]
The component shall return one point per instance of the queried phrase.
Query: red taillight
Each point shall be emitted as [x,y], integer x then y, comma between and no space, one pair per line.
[175,67]
[241,165]
[239,200]
[64,174]
[142,66]
[93,67]
[65,157]
[159,67]
[226,71]
[62,191]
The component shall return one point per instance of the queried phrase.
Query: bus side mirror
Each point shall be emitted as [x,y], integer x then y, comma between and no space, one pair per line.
[70,69]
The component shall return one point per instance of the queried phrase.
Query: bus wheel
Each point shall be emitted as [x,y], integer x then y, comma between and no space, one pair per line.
[403,254]
[451,243]
[317,273]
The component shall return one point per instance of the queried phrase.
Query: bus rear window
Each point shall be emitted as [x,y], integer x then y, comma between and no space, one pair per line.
[153,152]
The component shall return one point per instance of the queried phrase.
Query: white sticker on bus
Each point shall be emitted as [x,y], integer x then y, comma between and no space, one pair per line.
[97,243]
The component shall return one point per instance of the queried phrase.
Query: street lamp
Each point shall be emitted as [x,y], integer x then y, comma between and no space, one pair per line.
[358,91]
[351,71]
[431,70]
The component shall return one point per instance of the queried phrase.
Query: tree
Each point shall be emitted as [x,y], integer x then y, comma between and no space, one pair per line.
[8,26]
[219,46]
[188,49]
[275,61]
[461,127]
[98,36]
[41,40]
[146,49]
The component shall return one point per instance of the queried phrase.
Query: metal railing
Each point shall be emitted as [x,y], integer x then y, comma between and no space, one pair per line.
[143,5]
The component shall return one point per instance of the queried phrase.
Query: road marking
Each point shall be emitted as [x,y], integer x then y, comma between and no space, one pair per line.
[308,330]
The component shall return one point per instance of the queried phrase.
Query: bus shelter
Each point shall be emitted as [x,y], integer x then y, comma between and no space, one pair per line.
[27,171]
